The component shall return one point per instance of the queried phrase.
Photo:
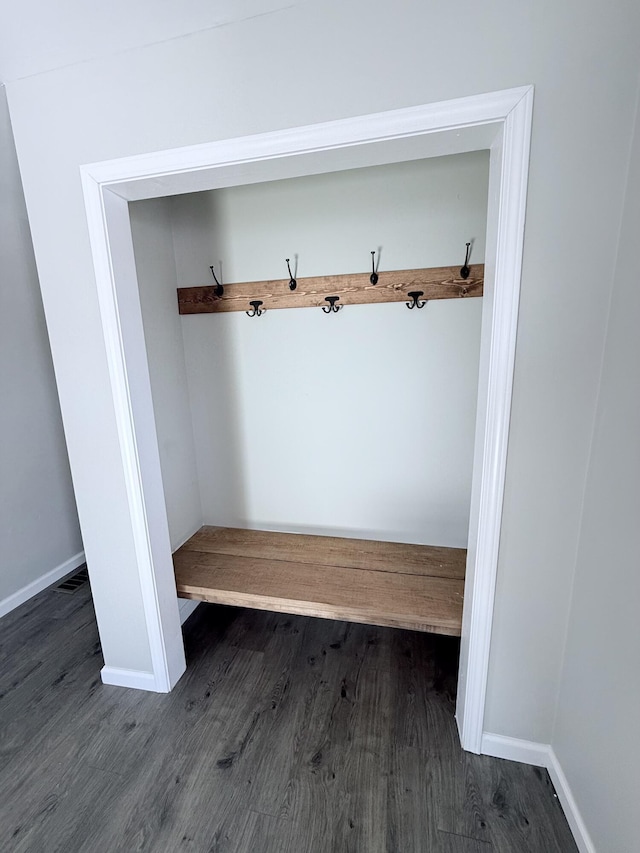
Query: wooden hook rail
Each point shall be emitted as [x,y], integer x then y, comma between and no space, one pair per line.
[353,289]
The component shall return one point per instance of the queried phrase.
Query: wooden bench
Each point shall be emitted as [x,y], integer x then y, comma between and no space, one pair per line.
[419,587]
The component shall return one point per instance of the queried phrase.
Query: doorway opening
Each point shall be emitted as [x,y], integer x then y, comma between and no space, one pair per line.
[499,123]
[326,455]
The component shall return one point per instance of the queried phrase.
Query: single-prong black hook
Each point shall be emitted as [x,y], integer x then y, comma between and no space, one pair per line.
[464,270]
[373,278]
[332,305]
[219,289]
[255,309]
[292,282]
[415,299]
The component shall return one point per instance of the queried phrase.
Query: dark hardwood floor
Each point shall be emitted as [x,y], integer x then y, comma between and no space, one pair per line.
[286,735]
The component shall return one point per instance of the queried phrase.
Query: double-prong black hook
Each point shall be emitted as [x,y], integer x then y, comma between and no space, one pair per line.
[292,282]
[415,299]
[373,278]
[464,270]
[256,311]
[332,305]
[218,289]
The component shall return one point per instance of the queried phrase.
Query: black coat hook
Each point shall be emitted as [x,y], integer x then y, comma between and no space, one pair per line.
[464,271]
[219,289]
[292,282]
[332,305]
[373,278]
[415,297]
[255,309]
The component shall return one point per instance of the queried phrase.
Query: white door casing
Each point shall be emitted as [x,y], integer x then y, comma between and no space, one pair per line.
[499,121]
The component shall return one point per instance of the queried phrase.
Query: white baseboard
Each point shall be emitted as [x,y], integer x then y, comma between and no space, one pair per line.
[515,749]
[569,805]
[135,678]
[542,755]
[26,592]
[186,606]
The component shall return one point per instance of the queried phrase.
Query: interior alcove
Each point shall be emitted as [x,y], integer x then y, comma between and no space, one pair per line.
[359,424]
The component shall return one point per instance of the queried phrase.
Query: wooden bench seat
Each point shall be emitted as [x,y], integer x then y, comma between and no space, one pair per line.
[418,587]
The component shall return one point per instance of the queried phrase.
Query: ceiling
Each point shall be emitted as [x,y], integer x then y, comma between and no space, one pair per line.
[40,35]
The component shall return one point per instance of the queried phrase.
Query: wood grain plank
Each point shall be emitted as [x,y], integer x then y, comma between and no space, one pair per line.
[271,835]
[445,842]
[55,815]
[353,289]
[366,764]
[522,811]
[426,560]
[291,708]
[80,772]
[316,805]
[456,802]
[358,595]
[260,748]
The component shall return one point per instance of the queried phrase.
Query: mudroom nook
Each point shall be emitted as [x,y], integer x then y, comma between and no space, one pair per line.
[317,434]
[178,471]
[317,460]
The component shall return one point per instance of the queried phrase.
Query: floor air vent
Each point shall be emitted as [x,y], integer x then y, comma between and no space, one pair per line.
[74,582]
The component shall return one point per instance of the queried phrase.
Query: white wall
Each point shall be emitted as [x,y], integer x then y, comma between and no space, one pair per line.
[596,733]
[582,58]
[38,521]
[39,36]
[151,228]
[360,423]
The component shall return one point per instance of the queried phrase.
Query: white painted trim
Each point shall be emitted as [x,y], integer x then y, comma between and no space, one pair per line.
[508,115]
[116,284]
[543,755]
[186,607]
[515,749]
[117,677]
[569,805]
[505,237]
[443,116]
[26,592]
